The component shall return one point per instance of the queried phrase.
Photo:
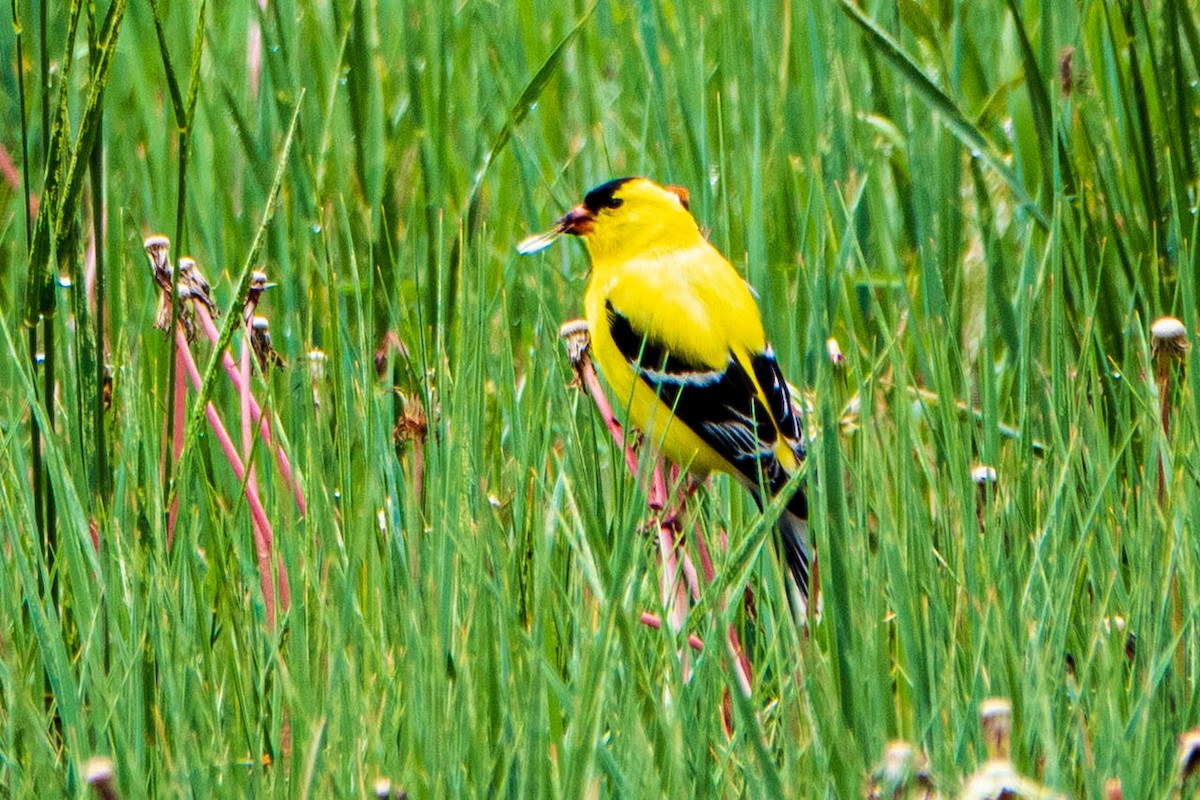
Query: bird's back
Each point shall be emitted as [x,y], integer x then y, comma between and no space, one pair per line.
[687,300]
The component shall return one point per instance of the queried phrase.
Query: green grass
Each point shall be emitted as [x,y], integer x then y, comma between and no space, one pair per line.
[980,231]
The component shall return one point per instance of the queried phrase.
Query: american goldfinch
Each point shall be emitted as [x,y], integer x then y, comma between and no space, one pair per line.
[678,337]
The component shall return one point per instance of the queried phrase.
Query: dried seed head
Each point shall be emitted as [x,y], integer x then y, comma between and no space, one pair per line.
[258,285]
[1115,628]
[157,247]
[995,717]
[1189,755]
[1168,328]
[156,241]
[383,788]
[197,288]
[983,475]
[994,780]
[391,343]
[1169,345]
[1169,338]
[984,478]
[1065,70]
[577,339]
[316,364]
[98,769]
[187,315]
[573,328]
[903,773]
[898,757]
[260,341]
[998,779]
[98,773]
[413,425]
[106,389]
[189,272]
[836,357]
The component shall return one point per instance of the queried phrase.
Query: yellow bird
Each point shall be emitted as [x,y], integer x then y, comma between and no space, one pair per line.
[678,337]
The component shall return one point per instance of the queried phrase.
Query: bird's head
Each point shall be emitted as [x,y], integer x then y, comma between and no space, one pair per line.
[626,215]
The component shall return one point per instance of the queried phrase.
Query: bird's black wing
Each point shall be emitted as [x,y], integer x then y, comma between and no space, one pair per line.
[741,422]
[722,406]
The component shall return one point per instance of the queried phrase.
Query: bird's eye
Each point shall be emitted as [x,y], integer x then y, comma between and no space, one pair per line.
[614,202]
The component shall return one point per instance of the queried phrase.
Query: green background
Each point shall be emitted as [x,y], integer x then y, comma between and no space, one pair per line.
[986,203]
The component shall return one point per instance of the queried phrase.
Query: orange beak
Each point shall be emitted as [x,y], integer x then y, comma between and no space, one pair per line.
[576,222]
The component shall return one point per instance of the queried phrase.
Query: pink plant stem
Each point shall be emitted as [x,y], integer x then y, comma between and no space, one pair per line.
[674,522]
[674,593]
[1164,393]
[741,664]
[689,574]
[180,412]
[244,406]
[418,466]
[606,413]
[242,387]
[262,527]
[261,534]
[706,564]
[9,171]
[657,495]
[653,621]
[247,436]
[678,573]
[254,55]
[674,597]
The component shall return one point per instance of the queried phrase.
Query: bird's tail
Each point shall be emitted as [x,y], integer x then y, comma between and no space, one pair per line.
[797,556]
[794,547]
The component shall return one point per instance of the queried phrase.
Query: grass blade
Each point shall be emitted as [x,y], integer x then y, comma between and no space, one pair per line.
[963,129]
[232,314]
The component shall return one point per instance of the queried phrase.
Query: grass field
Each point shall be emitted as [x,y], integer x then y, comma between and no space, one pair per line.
[986,204]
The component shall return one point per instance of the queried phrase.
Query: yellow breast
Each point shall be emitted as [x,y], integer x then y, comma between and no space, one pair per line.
[698,311]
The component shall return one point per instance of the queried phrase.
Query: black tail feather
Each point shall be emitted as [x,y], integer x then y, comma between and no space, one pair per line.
[797,555]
